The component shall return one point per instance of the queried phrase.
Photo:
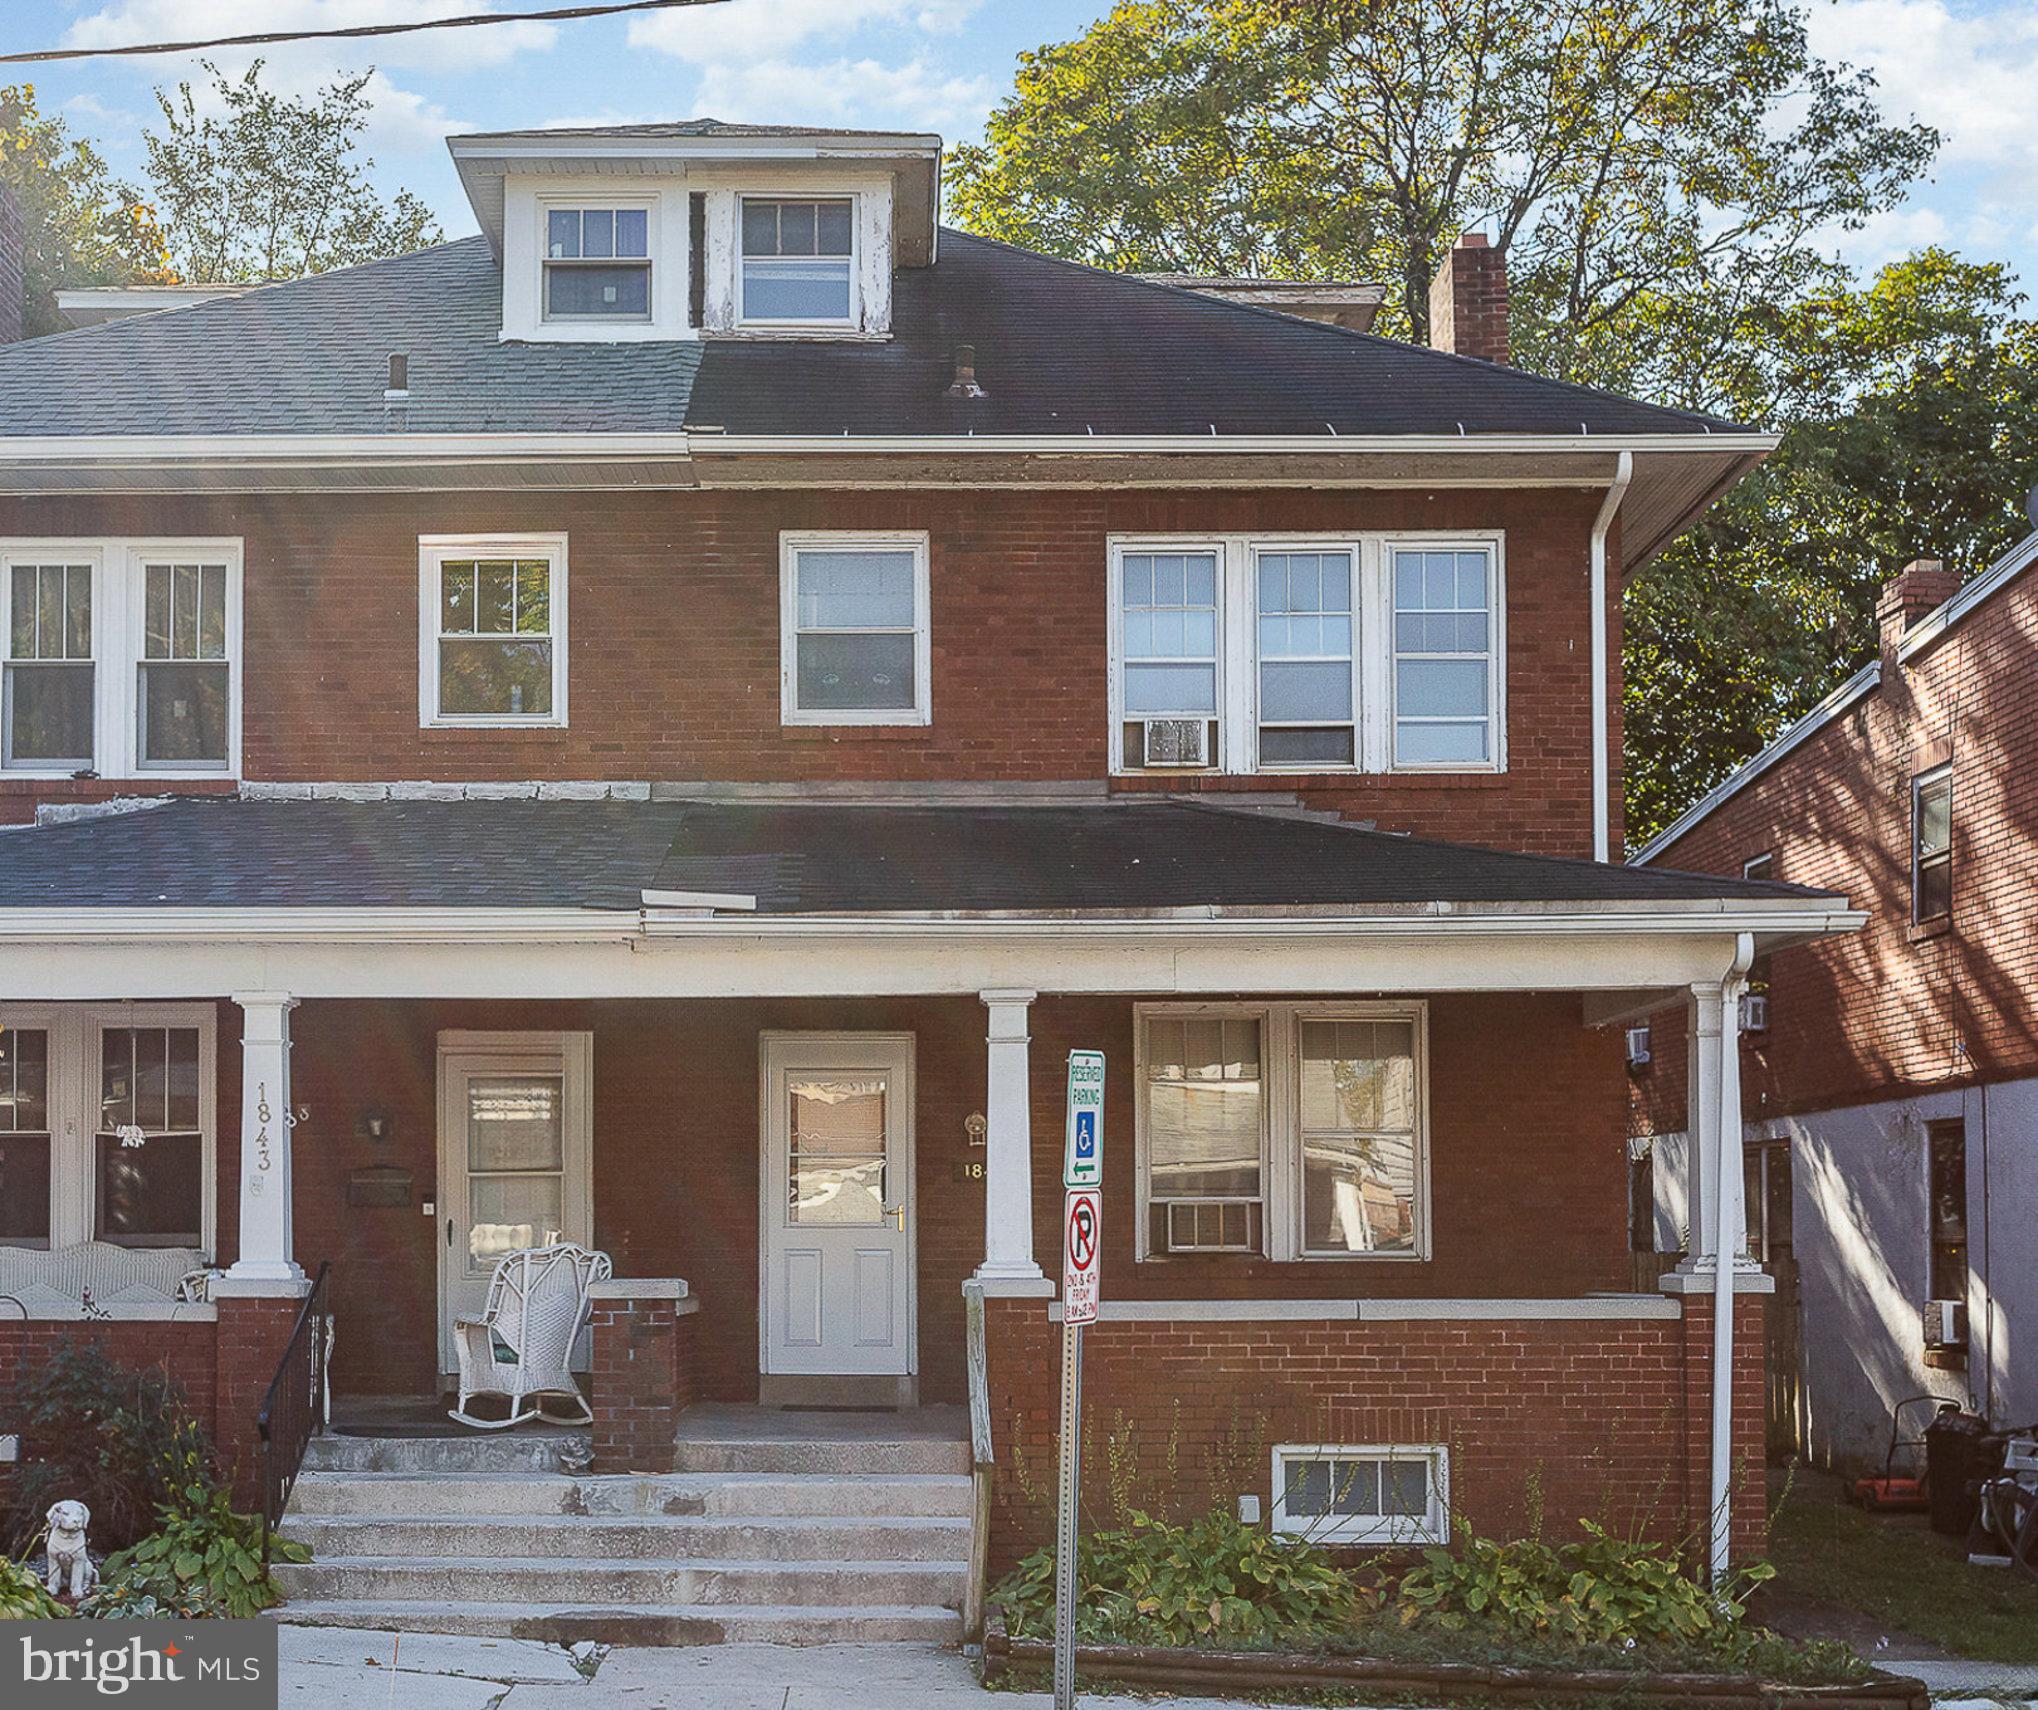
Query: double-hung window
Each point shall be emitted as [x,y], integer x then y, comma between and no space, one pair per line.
[597,264]
[120,657]
[24,1136]
[1278,653]
[492,647]
[855,644]
[1932,844]
[51,685]
[1296,1131]
[798,261]
[149,1148]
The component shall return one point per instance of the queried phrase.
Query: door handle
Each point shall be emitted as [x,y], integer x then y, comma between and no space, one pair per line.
[898,1211]
[449,1231]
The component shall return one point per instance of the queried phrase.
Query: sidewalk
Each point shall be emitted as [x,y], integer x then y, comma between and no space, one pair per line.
[329,1668]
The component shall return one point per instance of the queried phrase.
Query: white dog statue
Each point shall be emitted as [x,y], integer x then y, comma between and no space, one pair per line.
[67,1557]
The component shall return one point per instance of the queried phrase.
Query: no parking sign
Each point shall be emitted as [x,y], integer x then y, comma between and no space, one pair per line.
[1082,1238]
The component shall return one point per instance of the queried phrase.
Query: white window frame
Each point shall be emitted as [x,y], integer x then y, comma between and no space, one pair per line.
[791,543]
[434,551]
[1373,653]
[74,1105]
[772,323]
[1281,1218]
[600,200]
[119,629]
[528,201]
[1762,866]
[1930,779]
[93,556]
[1434,1527]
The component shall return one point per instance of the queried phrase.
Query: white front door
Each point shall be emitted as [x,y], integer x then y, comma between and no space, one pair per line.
[838,1204]
[514,1158]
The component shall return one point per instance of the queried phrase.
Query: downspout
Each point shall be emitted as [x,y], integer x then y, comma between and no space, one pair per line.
[1726,1245]
[1602,770]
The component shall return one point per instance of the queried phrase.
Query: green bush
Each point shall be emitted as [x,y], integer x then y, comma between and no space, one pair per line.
[22,1597]
[202,1559]
[1602,1590]
[117,1440]
[1212,1581]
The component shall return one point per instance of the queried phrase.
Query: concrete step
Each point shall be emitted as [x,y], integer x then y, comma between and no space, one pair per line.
[631,1538]
[427,1494]
[791,1453]
[659,1624]
[581,1581]
[509,1451]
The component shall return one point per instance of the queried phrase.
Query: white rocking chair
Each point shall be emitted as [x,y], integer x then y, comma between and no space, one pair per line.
[521,1346]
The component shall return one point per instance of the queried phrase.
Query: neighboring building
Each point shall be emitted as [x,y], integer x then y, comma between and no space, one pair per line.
[679,712]
[1891,1097]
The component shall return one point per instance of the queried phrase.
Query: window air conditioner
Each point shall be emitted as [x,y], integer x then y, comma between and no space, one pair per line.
[1946,1324]
[1175,742]
[1639,1055]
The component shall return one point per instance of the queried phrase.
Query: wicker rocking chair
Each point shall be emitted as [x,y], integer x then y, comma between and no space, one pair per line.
[521,1346]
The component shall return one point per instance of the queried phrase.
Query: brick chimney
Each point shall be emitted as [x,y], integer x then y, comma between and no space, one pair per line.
[13,267]
[1468,301]
[1921,586]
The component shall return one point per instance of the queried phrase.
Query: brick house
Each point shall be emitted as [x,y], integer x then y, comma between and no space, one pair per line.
[1891,1088]
[972,657]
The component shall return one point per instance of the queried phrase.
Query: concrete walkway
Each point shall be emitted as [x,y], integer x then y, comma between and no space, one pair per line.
[337,1668]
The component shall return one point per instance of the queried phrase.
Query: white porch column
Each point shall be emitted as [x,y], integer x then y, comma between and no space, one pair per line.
[1713,1123]
[266,1241]
[1008,1147]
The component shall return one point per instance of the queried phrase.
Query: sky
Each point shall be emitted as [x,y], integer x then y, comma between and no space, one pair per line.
[1965,66]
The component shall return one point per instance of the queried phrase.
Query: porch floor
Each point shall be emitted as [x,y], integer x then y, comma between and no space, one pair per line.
[704,1423]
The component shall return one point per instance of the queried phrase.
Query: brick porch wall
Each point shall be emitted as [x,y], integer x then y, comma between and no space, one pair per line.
[185,1350]
[642,1380]
[1597,1419]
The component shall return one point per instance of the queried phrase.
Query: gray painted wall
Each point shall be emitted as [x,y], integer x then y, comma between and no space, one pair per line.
[1863,1250]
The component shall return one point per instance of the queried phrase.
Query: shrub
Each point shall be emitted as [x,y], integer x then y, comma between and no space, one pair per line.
[1602,1590]
[1214,1581]
[22,1597]
[202,1559]
[117,1440]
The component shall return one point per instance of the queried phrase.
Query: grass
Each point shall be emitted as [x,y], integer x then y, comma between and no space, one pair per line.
[1902,1576]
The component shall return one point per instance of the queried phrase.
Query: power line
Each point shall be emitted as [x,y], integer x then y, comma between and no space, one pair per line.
[472,20]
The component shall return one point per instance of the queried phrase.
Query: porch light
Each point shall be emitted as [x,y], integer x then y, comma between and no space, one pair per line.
[373,1122]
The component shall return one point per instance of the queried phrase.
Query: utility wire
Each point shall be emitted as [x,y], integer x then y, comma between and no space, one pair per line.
[472,20]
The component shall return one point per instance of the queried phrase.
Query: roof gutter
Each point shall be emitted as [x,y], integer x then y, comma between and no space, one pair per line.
[1602,758]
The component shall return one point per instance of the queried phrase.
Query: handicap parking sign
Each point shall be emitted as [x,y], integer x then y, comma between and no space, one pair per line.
[1082,1164]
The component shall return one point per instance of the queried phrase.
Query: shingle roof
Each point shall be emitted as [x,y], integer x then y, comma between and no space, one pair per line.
[312,357]
[1061,349]
[793,858]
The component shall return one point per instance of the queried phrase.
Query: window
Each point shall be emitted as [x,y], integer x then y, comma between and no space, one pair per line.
[50,685]
[493,649]
[1296,1131]
[24,1136]
[1443,657]
[1946,1144]
[1761,866]
[1641,1194]
[1307,690]
[1932,844]
[120,657]
[1278,653]
[597,264]
[798,260]
[1767,1202]
[148,1166]
[108,1124]
[1362,1494]
[854,634]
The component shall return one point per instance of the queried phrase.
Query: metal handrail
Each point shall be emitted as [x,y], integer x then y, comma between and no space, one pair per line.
[296,1402]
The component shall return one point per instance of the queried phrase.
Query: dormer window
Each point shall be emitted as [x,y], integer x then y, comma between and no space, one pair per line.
[597,264]
[798,261]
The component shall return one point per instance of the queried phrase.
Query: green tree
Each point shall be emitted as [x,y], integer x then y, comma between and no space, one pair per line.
[82,229]
[1909,414]
[273,186]
[1654,170]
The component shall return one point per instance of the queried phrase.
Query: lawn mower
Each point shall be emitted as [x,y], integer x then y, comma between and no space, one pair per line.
[1892,1492]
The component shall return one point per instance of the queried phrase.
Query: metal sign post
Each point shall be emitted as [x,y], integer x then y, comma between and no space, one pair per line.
[1082,1240]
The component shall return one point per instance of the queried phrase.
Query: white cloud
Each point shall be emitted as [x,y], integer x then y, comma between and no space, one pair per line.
[913,96]
[126,21]
[751,31]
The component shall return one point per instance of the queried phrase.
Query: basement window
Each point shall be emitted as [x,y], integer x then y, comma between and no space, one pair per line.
[1362,1494]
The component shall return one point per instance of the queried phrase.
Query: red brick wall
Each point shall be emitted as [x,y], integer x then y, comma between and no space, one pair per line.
[1897,1008]
[1604,1420]
[642,1379]
[1468,301]
[185,1350]
[1526,1181]
[675,640]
